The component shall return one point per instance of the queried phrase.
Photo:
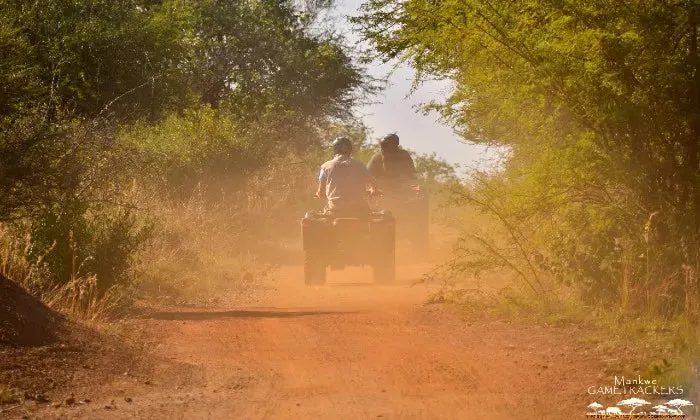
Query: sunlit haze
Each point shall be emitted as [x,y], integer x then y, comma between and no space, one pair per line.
[396,108]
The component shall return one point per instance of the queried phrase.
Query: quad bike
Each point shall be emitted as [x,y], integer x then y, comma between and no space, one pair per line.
[336,240]
[411,206]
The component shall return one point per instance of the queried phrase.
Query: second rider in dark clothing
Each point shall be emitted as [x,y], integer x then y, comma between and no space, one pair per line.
[392,165]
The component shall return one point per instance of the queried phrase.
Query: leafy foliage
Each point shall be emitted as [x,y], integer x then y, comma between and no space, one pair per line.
[98,98]
[599,105]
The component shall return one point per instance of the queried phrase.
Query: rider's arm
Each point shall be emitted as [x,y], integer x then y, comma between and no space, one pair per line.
[321,191]
[375,166]
[371,182]
[410,167]
[409,163]
[322,179]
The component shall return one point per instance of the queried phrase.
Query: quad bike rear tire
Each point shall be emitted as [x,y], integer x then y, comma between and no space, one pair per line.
[314,268]
[420,231]
[384,267]
[420,243]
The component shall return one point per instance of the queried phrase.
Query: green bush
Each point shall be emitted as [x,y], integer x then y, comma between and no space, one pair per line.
[128,125]
[75,241]
[200,146]
[599,113]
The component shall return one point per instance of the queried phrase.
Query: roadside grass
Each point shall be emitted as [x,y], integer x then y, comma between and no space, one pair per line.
[79,298]
[198,249]
[174,270]
[633,335]
[169,280]
[666,350]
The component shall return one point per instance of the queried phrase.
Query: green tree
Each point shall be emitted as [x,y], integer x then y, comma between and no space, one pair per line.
[96,94]
[599,104]
[262,63]
[77,72]
[102,58]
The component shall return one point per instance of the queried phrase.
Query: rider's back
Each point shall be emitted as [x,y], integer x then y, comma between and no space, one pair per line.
[346,180]
[391,167]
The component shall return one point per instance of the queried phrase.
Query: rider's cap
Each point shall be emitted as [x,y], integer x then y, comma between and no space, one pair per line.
[389,142]
[342,146]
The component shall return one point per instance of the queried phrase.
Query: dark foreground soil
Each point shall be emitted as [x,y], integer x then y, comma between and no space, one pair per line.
[44,357]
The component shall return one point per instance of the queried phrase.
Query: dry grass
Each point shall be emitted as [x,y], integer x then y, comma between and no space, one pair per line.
[7,395]
[201,247]
[649,288]
[208,244]
[81,300]
[14,264]
[642,323]
[197,248]
[78,299]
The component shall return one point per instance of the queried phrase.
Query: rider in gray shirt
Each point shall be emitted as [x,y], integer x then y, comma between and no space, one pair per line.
[343,181]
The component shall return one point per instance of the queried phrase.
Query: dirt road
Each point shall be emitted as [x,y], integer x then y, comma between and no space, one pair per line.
[347,350]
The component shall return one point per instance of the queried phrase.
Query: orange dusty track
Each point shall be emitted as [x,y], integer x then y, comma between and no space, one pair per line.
[348,350]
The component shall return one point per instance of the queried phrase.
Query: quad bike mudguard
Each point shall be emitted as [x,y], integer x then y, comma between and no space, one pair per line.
[336,242]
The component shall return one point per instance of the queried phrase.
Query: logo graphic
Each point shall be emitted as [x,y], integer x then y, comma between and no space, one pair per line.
[637,386]
[671,409]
